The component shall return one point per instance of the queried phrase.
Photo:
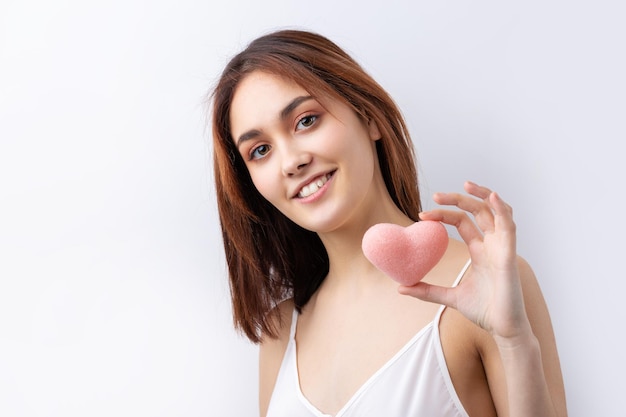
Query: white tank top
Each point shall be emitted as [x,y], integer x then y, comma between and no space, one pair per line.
[415,382]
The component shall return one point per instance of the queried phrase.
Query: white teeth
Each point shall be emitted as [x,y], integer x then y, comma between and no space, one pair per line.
[311,188]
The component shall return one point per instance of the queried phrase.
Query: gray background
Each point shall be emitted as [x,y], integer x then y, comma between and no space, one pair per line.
[113,293]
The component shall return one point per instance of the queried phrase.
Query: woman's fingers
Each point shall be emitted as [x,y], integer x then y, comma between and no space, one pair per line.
[495,203]
[483,215]
[477,190]
[504,223]
[486,207]
[479,209]
[504,212]
[459,219]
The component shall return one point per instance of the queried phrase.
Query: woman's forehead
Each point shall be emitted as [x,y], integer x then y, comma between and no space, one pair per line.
[270,87]
[260,98]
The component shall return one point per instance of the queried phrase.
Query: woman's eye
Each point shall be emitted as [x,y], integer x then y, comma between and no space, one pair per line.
[259,152]
[306,122]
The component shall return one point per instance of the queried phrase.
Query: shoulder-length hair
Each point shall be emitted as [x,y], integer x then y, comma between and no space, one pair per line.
[269,257]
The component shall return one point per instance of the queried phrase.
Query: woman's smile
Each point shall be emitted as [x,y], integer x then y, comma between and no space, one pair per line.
[313,188]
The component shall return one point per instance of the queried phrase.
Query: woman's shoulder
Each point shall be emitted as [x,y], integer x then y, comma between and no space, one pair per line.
[272,350]
[280,317]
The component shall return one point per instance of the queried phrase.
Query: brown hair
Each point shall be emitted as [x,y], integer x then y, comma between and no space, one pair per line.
[269,257]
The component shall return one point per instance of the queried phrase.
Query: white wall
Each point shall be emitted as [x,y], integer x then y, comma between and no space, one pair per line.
[113,294]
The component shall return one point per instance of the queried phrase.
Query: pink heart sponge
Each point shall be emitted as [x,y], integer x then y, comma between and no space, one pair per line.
[405,254]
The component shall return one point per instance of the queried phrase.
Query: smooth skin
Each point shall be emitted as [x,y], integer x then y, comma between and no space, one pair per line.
[497,338]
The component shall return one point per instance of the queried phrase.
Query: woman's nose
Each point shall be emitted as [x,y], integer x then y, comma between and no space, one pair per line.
[295,160]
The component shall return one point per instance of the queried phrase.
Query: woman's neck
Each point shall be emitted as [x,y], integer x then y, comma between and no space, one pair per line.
[346,258]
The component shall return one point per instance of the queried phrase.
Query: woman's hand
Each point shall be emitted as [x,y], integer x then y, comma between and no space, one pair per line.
[490,293]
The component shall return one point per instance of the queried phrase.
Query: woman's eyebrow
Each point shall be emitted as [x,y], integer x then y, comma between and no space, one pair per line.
[293,105]
[284,113]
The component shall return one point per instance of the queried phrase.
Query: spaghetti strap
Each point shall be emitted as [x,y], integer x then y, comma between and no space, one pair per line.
[294,321]
[462,273]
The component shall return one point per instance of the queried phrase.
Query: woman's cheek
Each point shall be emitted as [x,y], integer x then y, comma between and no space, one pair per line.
[264,181]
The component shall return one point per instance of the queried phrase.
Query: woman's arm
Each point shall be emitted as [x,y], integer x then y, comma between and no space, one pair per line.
[500,294]
[528,372]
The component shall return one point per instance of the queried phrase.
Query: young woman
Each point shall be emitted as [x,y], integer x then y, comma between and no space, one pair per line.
[310,152]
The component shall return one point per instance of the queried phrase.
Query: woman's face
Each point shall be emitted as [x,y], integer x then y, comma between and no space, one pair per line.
[313,159]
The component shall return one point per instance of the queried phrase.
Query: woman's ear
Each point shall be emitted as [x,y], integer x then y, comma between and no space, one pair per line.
[372,128]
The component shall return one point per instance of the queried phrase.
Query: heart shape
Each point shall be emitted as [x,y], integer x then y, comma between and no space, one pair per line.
[405,254]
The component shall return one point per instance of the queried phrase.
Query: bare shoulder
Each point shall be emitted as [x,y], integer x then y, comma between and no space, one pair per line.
[271,352]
